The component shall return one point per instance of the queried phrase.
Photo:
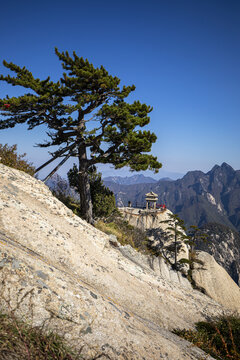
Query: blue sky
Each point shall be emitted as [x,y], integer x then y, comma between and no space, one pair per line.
[182,55]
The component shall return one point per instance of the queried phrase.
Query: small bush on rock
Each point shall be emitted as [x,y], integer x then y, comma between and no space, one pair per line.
[126,234]
[103,199]
[20,341]
[219,338]
[9,157]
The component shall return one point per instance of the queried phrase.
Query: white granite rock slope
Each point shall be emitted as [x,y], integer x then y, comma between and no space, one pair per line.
[60,273]
[216,282]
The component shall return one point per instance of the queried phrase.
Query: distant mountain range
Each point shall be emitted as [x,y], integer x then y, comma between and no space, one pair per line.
[211,201]
[130,180]
[198,198]
[59,185]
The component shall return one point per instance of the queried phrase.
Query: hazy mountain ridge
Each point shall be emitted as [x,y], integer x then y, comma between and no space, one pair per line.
[129,180]
[57,184]
[198,197]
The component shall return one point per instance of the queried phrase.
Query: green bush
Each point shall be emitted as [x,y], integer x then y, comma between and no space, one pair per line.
[68,201]
[220,338]
[9,157]
[103,199]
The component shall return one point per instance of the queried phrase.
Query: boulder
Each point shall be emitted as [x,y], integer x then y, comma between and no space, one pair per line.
[216,282]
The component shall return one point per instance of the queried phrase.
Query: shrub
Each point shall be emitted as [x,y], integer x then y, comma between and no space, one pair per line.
[219,338]
[126,234]
[103,199]
[9,157]
[20,341]
[67,200]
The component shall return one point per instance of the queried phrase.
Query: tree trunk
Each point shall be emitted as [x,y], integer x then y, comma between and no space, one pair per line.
[83,179]
[84,188]
[175,240]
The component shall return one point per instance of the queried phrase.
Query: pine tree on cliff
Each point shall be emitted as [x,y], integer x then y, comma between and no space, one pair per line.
[175,231]
[87,118]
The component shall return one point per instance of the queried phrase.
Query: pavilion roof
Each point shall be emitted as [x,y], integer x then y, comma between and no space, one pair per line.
[151,194]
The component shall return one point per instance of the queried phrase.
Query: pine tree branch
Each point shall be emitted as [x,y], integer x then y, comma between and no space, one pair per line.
[60,153]
[56,168]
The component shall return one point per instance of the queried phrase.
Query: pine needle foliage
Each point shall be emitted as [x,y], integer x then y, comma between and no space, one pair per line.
[87,117]
[195,235]
[176,232]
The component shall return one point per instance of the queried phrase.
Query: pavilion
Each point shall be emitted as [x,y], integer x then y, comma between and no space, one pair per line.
[151,200]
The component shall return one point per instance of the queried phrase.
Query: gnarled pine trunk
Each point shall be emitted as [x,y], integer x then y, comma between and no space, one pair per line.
[83,177]
[84,187]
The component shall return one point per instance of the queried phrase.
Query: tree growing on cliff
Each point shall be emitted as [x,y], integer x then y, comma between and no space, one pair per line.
[103,199]
[87,117]
[176,232]
[194,235]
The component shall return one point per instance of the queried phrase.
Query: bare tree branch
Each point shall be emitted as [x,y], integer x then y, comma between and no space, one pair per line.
[61,152]
[57,167]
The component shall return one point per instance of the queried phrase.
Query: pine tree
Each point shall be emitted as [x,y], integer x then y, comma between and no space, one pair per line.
[87,117]
[194,235]
[103,199]
[175,231]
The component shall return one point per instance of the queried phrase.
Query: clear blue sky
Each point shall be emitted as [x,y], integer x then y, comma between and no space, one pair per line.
[182,55]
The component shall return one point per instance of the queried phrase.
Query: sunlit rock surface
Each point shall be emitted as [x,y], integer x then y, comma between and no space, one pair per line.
[216,282]
[153,222]
[60,273]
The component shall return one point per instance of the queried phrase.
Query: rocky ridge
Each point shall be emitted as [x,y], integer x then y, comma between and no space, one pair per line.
[60,273]
[208,275]
[127,180]
[198,198]
[152,222]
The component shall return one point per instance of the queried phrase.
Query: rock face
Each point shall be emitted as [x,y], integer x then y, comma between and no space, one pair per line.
[60,273]
[224,245]
[216,281]
[151,221]
[145,219]
[210,276]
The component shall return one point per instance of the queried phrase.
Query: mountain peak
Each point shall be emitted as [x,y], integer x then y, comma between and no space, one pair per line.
[226,166]
[216,167]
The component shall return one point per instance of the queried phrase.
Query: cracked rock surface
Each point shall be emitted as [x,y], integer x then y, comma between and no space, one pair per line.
[59,273]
